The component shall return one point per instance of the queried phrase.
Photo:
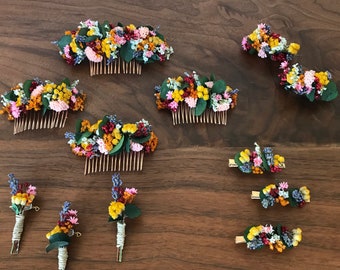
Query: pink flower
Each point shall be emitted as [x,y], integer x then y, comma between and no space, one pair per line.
[136,147]
[131,191]
[120,40]
[58,105]
[223,107]
[15,111]
[267,229]
[72,212]
[75,91]
[148,54]
[257,161]
[32,190]
[143,32]
[283,185]
[169,95]
[244,43]
[262,54]
[37,91]
[209,84]
[173,105]
[226,95]
[92,55]
[73,220]
[284,65]
[89,23]
[191,101]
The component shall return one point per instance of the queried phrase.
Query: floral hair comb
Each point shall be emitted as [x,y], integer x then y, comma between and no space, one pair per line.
[120,208]
[196,99]
[276,238]
[269,45]
[311,84]
[258,161]
[22,199]
[60,236]
[110,145]
[37,104]
[284,195]
[113,49]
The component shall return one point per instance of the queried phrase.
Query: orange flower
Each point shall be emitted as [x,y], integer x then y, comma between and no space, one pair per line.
[85,125]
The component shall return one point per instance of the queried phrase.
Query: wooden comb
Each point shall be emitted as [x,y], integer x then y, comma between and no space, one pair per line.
[118,66]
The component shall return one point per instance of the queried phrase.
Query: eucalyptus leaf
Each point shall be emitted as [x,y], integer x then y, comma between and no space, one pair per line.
[26,87]
[63,41]
[118,147]
[126,52]
[164,90]
[78,125]
[330,93]
[200,106]
[132,211]
[141,139]
[219,87]
[310,96]
[66,81]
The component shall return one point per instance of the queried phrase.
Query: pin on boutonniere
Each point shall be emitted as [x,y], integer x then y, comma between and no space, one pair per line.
[36,104]
[282,194]
[275,237]
[113,49]
[121,208]
[22,199]
[61,234]
[258,161]
[196,99]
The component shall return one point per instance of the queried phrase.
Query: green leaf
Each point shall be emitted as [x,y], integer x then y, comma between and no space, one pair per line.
[26,87]
[46,104]
[102,123]
[203,80]
[90,39]
[83,31]
[310,96]
[330,93]
[63,41]
[126,52]
[264,162]
[85,134]
[132,211]
[164,89]
[117,148]
[292,201]
[212,77]
[141,139]
[160,36]
[10,96]
[200,106]
[104,28]
[78,125]
[237,159]
[246,232]
[58,240]
[66,81]
[15,209]
[219,87]
[127,145]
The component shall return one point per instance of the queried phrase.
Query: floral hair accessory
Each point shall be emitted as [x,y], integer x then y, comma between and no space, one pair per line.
[314,85]
[23,102]
[276,238]
[120,208]
[110,145]
[258,161]
[196,99]
[113,49]
[266,44]
[284,195]
[22,199]
[60,236]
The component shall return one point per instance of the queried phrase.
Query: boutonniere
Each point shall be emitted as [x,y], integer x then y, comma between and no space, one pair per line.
[113,49]
[111,145]
[282,194]
[275,237]
[196,99]
[37,104]
[121,208]
[61,234]
[21,201]
[258,161]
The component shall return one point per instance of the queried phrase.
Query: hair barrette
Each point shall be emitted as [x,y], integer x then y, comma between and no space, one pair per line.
[61,234]
[37,104]
[283,194]
[266,44]
[196,99]
[258,161]
[113,49]
[110,145]
[276,238]
[22,199]
[311,84]
[120,208]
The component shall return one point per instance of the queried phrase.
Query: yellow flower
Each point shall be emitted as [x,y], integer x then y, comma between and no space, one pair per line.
[106,47]
[268,188]
[323,77]
[253,36]
[297,237]
[244,157]
[94,127]
[129,128]
[273,42]
[74,46]
[55,230]
[90,32]
[115,209]
[305,193]
[253,232]
[202,92]
[293,48]
[177,95]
